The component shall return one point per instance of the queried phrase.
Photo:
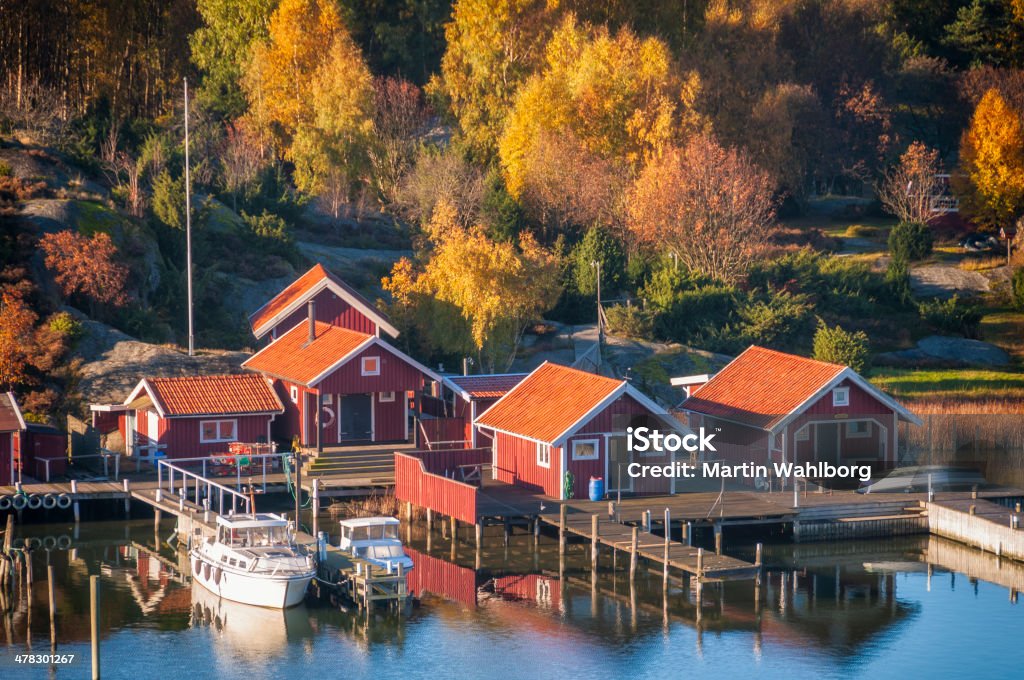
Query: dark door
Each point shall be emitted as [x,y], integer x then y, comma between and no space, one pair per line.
[355,417]
[826,443]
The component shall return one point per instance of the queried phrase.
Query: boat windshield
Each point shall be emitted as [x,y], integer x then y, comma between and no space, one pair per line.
[254,537]
[380,552]
[372,532]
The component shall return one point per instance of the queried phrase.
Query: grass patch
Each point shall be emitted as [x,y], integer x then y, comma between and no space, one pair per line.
[1005,327]
[91,218]
[980,263]
[869,231]
[952,384]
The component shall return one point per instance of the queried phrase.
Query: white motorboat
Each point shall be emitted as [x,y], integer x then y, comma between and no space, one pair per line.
[253,559]
[375,539]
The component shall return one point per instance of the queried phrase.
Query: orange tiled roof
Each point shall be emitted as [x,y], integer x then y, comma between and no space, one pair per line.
[299,288]
[549,402]
[215,395]
[291,358]
[486,386]
[761,387]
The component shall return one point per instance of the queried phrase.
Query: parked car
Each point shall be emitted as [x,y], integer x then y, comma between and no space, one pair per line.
[979,242]
[915,480]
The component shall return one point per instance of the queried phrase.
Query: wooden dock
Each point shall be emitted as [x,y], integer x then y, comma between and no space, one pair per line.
[980,523]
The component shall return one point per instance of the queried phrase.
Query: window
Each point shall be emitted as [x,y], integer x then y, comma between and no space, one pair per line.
[295,395]
[371,365]
[387,396]
[841,396]
[584,449]
[328,399]
[213,431]
[804,434]
[858,429]
[544,455]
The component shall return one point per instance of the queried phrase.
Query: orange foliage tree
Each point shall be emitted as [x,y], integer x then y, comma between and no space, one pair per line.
[86,266]
[708,204]
[992,163]
[17,322]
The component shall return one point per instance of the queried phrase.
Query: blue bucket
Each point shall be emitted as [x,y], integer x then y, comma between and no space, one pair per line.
[596,488]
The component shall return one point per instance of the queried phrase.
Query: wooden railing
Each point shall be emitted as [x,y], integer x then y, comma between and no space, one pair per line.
[420,479]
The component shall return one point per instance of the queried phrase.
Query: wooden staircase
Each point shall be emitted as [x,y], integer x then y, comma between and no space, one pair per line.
[373,462]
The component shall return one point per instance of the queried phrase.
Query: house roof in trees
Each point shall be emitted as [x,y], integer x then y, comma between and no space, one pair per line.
[11,419]
[475,387]
[299,291]
[293,357]
[766,389]
[202,395]
[555,401]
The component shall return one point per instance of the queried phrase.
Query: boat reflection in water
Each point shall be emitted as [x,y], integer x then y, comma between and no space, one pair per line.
[243,629]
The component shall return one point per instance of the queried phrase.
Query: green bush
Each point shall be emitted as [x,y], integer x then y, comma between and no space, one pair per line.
[952,316]
[597,246]
[1017,289]
[898,278]
[5,169]
[68,326]
[630,321]
[169,200]
[910,241]
[838,346]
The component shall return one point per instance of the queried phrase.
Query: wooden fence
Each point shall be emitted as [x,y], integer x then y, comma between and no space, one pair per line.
[425,478]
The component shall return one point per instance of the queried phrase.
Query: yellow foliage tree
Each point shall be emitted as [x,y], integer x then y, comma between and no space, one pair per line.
[309,85]
[493,45]
[496,287]
[617,94]
[992,161]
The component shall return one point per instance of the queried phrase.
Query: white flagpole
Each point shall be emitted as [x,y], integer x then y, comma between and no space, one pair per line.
[188,230]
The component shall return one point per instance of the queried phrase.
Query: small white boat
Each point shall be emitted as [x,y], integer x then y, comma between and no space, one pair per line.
[375,539]
[253,559]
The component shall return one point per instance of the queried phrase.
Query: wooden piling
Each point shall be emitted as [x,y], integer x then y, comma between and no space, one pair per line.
[700,564]
[316,507]
[455,526]
[28,574]
[536,530]
[94,624]
[718,538]
[53,607]
[647,521]
[757,555]
[668,540]
[479,534]
[9,533]
[508,529]
[430,520]
[611,509]
[562,510]
[633,556]
[688,532]
[594,533]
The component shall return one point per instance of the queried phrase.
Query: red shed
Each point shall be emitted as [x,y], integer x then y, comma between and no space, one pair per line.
[363,385]
[776,407]
[336,303]
[12,431]
[560,419]
[197,415]
[470,395]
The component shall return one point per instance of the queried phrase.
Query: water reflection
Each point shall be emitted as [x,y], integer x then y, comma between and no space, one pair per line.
[849,607]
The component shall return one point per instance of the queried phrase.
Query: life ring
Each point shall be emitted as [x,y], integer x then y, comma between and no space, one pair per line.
[49,501]
[330,419]
[50,543]
[216,575]
[5,502]
[19,501]
[64,542]
[35,501]
[63,501]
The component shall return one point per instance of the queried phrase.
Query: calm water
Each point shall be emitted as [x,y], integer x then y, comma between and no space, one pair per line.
[873,609]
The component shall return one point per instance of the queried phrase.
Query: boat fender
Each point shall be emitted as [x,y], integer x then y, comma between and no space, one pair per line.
[216,575]
[198,567]
[206,571]
[49,501]
[19,501]
[64,542]
[50,542]
[35,501]
[63,501]
[5,502]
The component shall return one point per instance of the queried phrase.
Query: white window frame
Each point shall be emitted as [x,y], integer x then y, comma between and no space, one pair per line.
[803,434]
[294,394]
[593,442]
[328,399]
[866,424]
[362,365]
[543,455]
[841,396]
[384,397]
[217,425]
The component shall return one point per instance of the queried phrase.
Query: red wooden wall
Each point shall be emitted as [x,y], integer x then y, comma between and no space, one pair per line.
[395,375]
[433,575]
[330,309]
[517,464]
[446,496]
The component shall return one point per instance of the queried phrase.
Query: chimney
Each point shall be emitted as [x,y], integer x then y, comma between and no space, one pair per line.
[312,321]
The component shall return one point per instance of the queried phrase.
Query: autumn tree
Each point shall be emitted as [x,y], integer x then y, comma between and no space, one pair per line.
[399,119]
[616,94]
[17,321]
[906,190]
[442,176]
[86,266]
[992,163]
[308,84]
[708,204]
[493,46]
[496,287]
